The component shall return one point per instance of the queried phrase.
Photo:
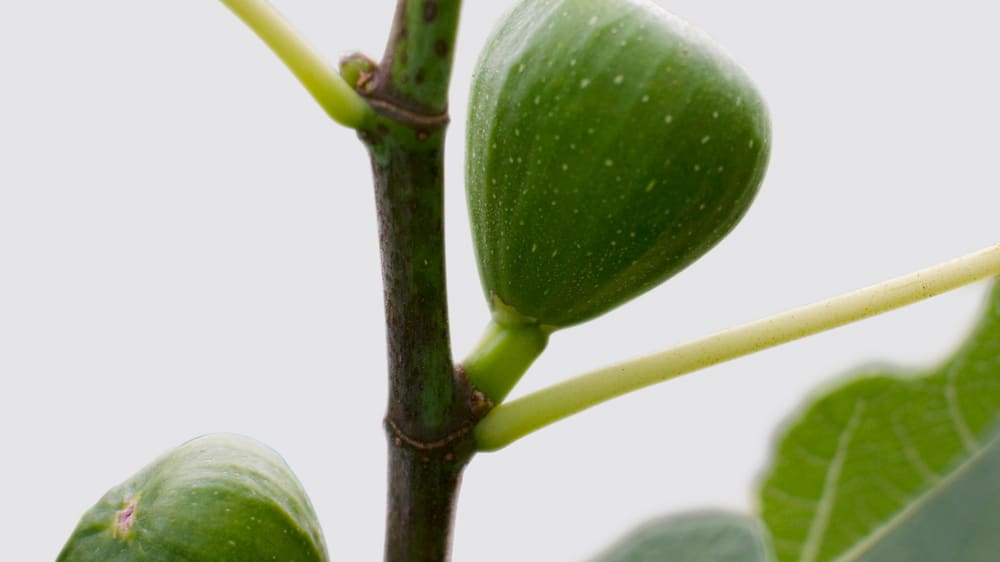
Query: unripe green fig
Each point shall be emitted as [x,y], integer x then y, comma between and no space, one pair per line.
[217,498]
[609,146]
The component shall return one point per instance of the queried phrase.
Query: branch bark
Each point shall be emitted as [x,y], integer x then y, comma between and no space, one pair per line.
[432,407]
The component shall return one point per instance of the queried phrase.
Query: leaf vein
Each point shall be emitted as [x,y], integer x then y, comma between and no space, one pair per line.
[912,453]
[954,410]
[828,496]
[790,498]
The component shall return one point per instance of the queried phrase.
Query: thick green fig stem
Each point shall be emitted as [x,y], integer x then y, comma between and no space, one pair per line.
[502,356]
[432,406]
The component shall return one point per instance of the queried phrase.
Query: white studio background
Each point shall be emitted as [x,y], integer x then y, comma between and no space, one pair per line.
[188,245]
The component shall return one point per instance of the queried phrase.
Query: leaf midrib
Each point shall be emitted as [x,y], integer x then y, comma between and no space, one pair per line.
[913,507]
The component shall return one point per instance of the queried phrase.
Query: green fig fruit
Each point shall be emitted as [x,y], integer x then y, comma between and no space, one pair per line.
[217,498]
[610,145]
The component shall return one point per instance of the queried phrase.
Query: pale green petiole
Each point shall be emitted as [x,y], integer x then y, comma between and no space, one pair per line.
[513,420]
[334,95]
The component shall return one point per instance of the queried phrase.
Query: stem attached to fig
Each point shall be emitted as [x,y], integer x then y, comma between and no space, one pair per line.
[503,354]
[334,95]
[512,420]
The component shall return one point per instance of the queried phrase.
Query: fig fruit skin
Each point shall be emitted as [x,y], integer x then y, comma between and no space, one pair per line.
[610,145]
[217,498]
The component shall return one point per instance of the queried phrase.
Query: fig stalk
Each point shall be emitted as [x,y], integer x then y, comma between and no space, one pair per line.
[504,354]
